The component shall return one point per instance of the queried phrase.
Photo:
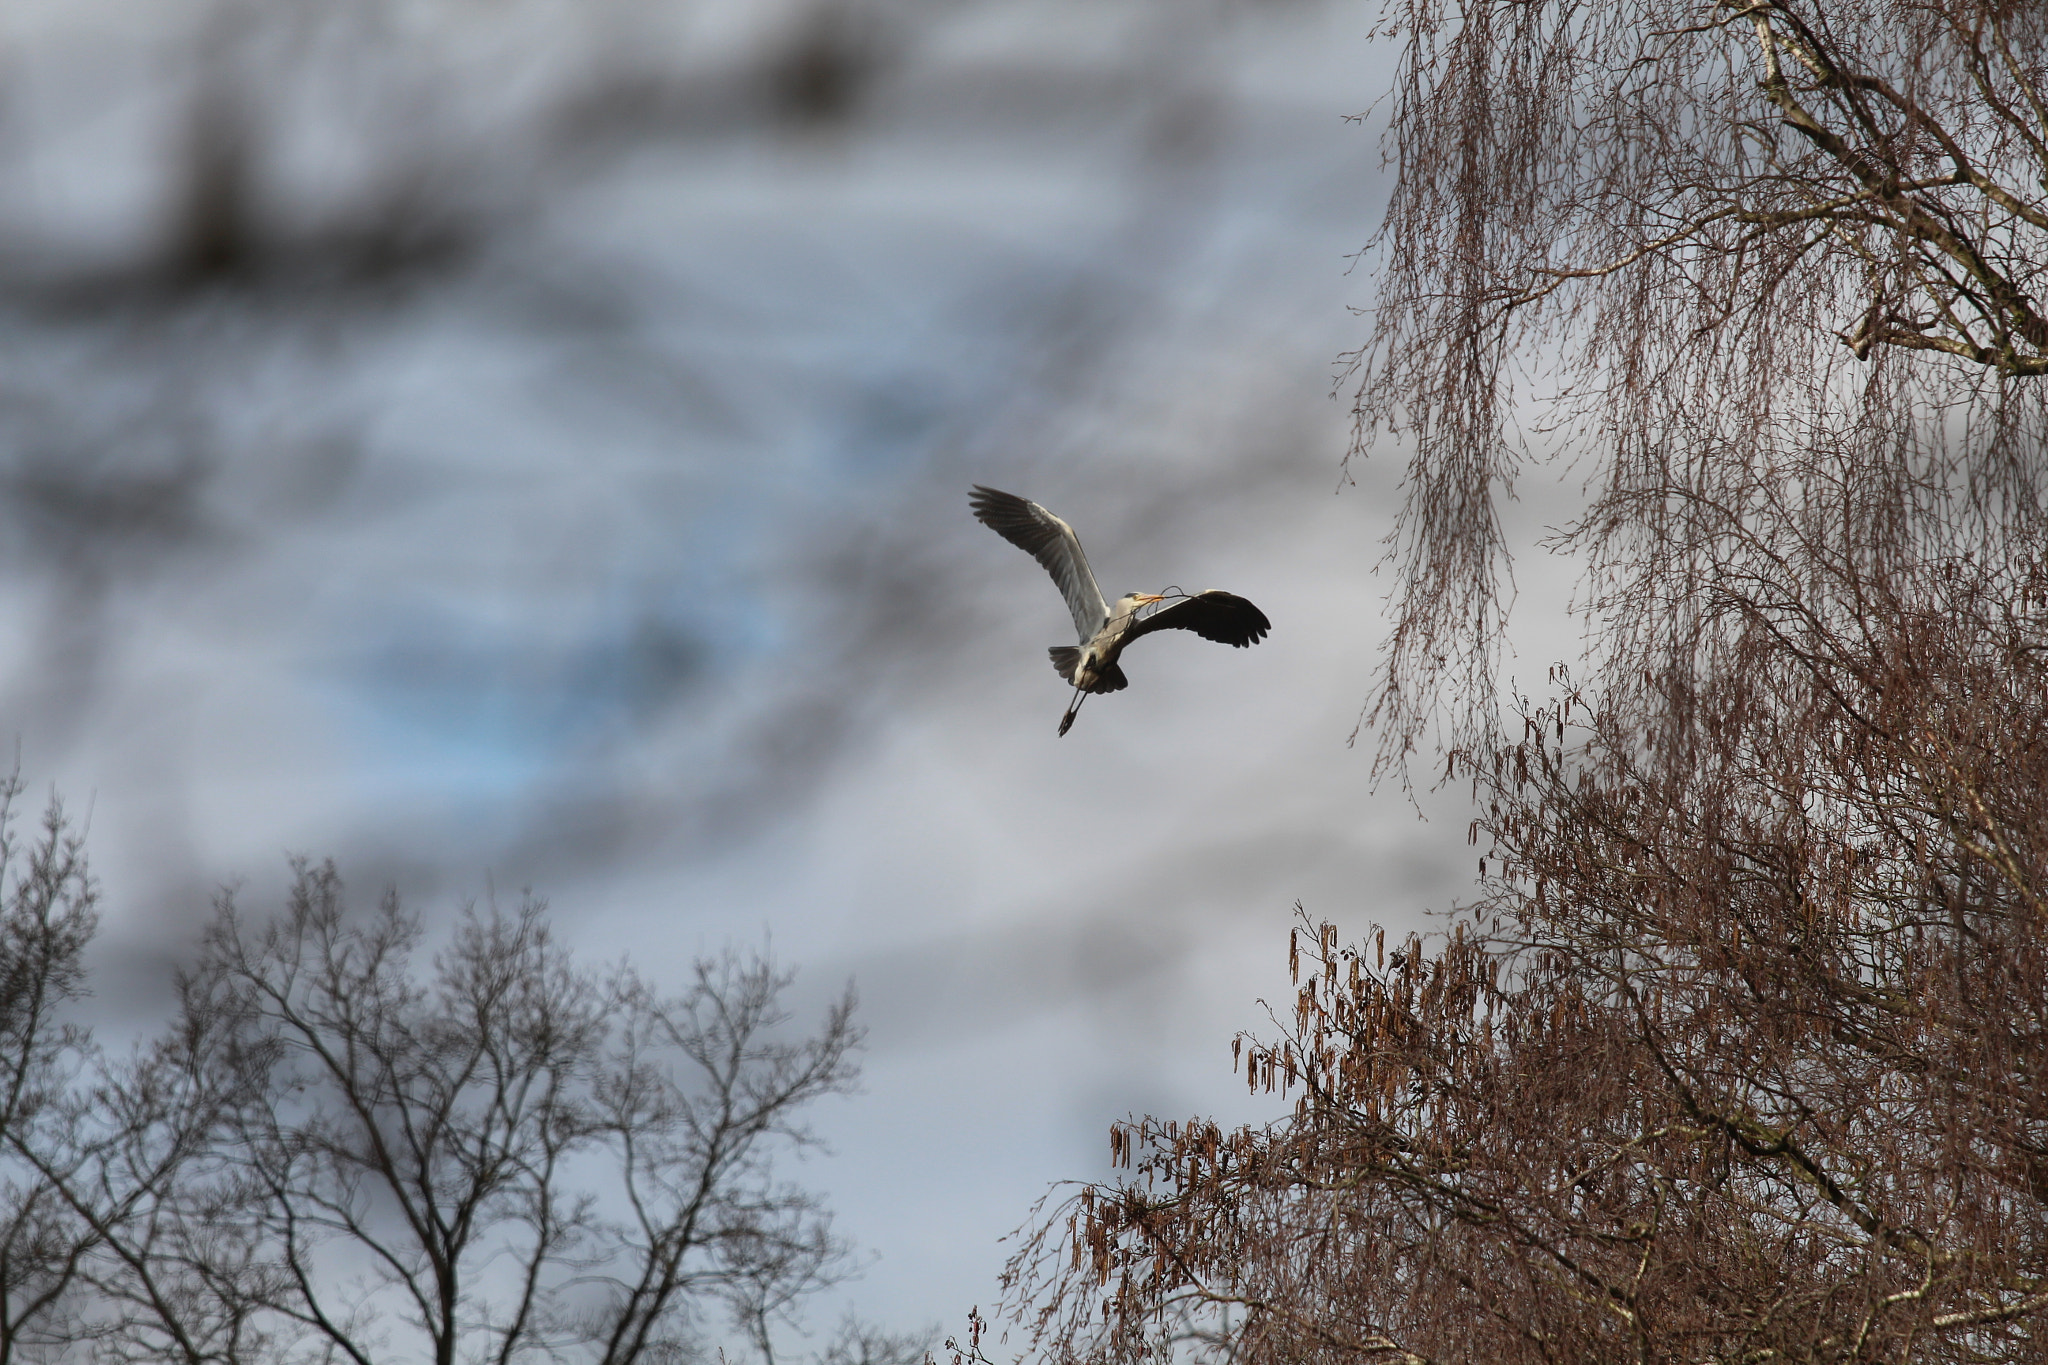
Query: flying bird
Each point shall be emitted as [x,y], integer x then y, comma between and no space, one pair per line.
[1107,629]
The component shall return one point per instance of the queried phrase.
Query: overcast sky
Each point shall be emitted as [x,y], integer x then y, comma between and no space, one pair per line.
[528,445]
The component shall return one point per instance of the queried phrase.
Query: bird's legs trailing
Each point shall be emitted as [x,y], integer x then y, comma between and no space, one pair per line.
[1073,709]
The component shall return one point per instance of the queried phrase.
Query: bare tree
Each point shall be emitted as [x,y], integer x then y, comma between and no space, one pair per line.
[170,1277]
[92,1148]
[1738,1059]
[1745,260]
[339,1152]
[1738,1054]
[696,1093]
[507,1157]
[47,916]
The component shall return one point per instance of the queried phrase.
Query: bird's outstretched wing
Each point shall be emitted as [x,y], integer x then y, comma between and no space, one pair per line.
[1214,615]
[1052,543]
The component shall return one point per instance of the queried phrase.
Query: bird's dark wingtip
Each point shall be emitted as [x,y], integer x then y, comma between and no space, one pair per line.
[999,511]
[1253,623]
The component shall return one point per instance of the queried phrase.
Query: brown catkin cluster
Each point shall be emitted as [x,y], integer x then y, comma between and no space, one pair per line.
[1738,1054]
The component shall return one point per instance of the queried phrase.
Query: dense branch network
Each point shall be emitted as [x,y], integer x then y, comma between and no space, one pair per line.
[1736,1059]
[1715,253]
[339,1154]
[1737,1055]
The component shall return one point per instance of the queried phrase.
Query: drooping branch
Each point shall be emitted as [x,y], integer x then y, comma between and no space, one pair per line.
[1777,257]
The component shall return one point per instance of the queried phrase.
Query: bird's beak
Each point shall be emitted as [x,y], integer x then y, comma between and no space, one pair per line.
[1151,597]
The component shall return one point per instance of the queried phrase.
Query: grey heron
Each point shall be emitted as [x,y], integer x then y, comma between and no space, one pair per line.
[1105,629]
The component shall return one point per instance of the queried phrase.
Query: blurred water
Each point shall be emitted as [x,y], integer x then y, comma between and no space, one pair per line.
[528,444]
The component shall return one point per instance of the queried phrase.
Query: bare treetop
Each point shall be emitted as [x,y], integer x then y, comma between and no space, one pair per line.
[338,1152]
[1767,269]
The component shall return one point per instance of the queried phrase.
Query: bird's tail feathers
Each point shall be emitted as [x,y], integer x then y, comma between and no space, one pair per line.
[1108,678]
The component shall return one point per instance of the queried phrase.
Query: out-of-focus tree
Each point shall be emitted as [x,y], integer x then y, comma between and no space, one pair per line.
[1737,1055]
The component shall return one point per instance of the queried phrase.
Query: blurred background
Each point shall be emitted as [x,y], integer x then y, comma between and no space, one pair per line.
[506,443]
